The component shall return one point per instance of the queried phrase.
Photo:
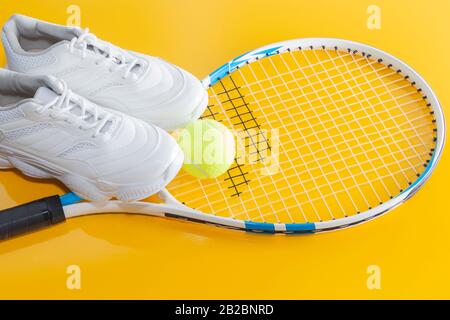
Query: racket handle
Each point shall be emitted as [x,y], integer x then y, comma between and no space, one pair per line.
[30,216]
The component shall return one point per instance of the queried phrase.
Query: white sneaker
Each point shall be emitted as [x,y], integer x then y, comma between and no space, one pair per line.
[141,86]
[46,131]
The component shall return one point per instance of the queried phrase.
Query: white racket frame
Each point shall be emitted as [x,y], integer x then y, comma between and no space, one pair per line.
[171,207]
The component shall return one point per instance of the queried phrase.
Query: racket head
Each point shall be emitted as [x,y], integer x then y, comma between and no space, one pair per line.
[264,92]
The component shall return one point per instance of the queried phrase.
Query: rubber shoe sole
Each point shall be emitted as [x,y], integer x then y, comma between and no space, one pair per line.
[86,188]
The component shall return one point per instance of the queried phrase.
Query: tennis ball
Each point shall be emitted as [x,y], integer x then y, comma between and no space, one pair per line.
[208,146]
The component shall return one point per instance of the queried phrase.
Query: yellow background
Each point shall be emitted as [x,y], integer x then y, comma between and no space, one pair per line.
[124,256]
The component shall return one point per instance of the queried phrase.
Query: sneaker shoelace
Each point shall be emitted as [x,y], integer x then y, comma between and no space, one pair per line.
[73,110]
[118,60]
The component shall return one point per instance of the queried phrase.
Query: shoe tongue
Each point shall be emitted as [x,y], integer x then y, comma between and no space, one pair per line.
[58,32]
[137,69]
[44,95]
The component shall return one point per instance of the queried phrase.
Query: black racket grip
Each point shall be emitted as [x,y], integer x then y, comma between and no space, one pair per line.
[30,216]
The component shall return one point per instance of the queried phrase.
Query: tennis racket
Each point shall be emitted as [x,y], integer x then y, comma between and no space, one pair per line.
[335,133]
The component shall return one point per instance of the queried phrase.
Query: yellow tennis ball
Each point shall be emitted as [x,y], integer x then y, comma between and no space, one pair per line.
[209,148]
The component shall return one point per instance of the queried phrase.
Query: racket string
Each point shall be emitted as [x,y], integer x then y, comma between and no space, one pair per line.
[374,125]
[311,84]
[413,127]
[210,202]
[309,147]
[352,132]
[388,130]
[263,196]
[292,71]
[300,207]
[345,141]
[252,138]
